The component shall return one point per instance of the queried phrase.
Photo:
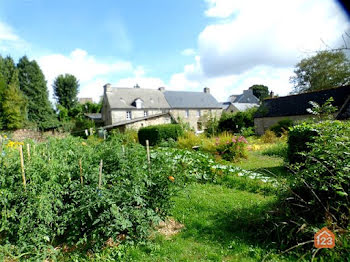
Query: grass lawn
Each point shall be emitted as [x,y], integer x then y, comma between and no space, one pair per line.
[219,226]
[268,165]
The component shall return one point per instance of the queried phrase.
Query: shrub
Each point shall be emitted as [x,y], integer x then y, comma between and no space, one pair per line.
[231,148]
[234,122]
[158,133]
[281,126]
[268,137]
[299,138]
[247,131]
[189,139]
[318,193]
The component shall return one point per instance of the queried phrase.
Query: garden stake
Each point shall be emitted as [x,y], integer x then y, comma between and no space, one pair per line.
[81,172]
[148,155]
[22,167]
[28,151]
[123,149]
[100,175]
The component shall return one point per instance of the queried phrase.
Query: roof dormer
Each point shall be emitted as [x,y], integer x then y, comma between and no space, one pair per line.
[138,103]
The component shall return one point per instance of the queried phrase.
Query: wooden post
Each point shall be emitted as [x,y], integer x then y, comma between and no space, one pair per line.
[81,173]
[28,151]
[22,167]
[148,155]
[100,175]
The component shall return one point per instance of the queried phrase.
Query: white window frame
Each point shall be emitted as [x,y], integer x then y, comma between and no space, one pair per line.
[187,113]
[128,115]
[198,113]
[145,113]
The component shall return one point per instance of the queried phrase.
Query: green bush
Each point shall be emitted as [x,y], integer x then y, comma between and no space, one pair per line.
[158,133]
[281,126]
[318,193]
[233,122]
[298,138]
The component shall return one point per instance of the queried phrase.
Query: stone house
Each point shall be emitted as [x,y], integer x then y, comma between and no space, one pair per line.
[241,102]
[295,107]
[137,107]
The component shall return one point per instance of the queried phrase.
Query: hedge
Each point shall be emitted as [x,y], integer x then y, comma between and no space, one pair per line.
[158,133]
[298,138]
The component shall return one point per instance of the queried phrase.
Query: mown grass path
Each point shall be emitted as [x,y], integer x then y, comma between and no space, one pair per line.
[219,225]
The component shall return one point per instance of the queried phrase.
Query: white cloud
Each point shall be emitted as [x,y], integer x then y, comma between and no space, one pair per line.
[9,40]
[221,8]
[139,77]
[188,52]
[86,68]
[258,42]
[273,33]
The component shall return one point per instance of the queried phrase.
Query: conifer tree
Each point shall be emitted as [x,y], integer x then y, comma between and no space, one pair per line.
[33,85]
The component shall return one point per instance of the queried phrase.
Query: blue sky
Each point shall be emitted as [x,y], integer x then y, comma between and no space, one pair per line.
[182,45]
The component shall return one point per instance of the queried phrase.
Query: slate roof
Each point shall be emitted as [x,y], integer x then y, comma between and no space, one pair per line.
[244,106]
[94,116]
[184,99]
[124,98]
[297,104]
[225,105]
[246,97]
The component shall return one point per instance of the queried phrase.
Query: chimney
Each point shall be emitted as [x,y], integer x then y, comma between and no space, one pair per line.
[206,90]
[248,92]
[271,94]
[107,88]
[161,89]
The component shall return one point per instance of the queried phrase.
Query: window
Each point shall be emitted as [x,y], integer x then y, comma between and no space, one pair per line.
[198,113]
[187,113]
[145,113]
[128,115]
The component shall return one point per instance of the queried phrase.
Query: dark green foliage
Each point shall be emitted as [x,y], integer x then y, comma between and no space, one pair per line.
[66,89]
[56,208]
[260,91]
[298,138]
[234,122]
[158,133]
[318,193]
[12,101]
[33,85]
[281,126]
[324,70]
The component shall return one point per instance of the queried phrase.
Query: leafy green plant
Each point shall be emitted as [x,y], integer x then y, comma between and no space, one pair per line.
[281,126]
[65,202]
[277,149]
[155,134]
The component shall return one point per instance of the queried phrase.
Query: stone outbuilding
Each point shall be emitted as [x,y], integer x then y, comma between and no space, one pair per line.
[295,107]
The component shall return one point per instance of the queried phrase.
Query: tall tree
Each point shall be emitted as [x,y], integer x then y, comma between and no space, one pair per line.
[13,104]
[32,83]
[324,70]
[260,91]
[66,89]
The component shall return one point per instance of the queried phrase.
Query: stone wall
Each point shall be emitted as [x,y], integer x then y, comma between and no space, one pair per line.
[193,117]
[120,115]
[264,123]
[22,134]
[164,119]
